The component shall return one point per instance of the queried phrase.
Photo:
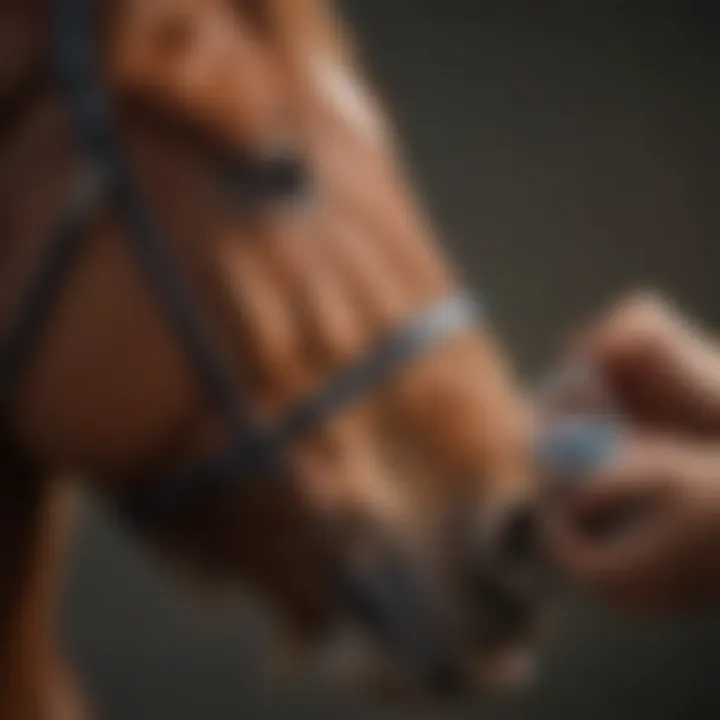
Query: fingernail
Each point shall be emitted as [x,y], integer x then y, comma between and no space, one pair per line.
[572,448]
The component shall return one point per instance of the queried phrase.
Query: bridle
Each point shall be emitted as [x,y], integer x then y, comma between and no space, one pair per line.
[253,445]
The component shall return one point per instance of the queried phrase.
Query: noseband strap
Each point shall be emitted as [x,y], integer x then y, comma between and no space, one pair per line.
[161,500]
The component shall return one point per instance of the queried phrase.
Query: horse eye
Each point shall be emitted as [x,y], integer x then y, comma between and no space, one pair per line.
[283,175]
[279,176]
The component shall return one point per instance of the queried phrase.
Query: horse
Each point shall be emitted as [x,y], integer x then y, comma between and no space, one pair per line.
[224,313]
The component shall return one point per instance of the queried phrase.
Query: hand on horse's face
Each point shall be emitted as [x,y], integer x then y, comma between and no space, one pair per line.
[434,463]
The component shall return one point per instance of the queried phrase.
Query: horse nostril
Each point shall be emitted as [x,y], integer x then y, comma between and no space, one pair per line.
[517,539]
[506,578]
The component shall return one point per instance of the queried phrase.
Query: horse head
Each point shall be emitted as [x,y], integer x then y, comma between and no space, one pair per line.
[227,315]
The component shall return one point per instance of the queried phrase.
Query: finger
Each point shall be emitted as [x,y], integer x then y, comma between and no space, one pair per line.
[659,364]
[613,563]
[663,478]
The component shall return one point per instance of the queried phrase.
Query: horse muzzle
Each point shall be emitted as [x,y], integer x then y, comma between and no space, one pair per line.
[469,627]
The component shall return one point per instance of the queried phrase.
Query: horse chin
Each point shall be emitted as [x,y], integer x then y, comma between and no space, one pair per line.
[347,660]
[361,669]
[351,663]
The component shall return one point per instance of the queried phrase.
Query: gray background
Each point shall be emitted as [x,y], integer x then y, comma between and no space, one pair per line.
[569,151]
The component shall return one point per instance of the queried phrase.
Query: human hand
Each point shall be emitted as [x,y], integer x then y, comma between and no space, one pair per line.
[660,468]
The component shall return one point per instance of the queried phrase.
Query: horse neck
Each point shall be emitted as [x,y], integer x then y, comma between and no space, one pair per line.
[33,516]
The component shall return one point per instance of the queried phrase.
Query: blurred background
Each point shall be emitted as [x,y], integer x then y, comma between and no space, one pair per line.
[568,151]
